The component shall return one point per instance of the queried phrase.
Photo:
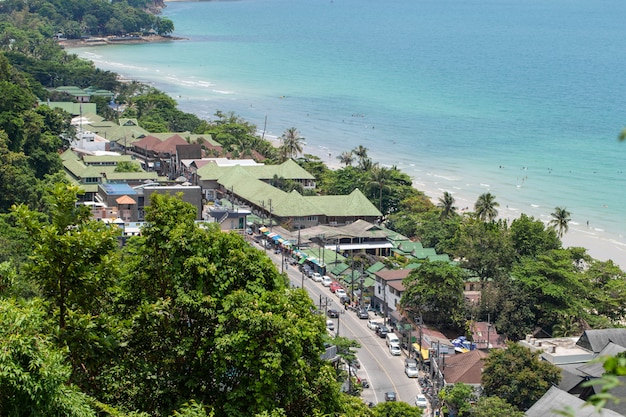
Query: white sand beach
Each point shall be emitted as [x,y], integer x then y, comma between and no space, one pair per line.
[594,240]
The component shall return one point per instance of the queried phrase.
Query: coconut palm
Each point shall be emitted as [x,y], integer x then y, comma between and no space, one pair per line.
[485,207]
[560,221]
[379,177]
[360,152]
[292,143]
[446,203]
[346,158]
[367,164]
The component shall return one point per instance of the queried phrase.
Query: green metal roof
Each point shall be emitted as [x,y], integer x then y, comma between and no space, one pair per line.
[97,159]
[368,282]
[424,253]
[375,268]
[441,257]
[288,170]
[338,269]
[353,204]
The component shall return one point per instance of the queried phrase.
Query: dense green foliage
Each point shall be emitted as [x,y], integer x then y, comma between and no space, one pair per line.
[79,18]
[434,291]
[516,374]
[195,322]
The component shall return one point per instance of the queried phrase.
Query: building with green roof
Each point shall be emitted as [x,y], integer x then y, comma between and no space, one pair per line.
[250,186]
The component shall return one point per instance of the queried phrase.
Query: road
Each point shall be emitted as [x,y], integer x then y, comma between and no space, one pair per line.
[383,371]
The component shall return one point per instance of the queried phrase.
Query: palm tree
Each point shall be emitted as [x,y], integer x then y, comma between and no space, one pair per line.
[560,220]
[446,203]
[379,176]
[485,207]
[292,143]
[346,158]
[367,164]
[360,152]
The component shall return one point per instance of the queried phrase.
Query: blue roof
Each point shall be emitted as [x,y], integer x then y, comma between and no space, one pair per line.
[118,189]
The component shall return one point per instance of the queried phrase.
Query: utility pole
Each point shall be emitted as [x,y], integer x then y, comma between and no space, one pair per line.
[325,302]
[385,303]
[270,201]
[352,280]
[340,313]
[361,279]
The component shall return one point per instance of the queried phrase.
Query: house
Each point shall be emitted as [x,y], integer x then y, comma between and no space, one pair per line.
[388,290]
[466,368]
[250,186]
[556,401]
[575,356]
[121,134]
[485,336]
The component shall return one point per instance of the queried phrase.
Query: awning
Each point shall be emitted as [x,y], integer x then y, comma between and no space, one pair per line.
[358,246]
[276,238]
[301,261]
[271,235]
[263,229]
[423,352]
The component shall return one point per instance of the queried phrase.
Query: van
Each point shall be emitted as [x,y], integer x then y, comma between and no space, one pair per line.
[392,339]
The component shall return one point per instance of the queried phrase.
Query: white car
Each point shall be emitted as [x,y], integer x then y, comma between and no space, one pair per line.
[421,401]
[326,281]
[316,277]
[373,324]
[395,350]
[330,325]
[341,293]
[410,368]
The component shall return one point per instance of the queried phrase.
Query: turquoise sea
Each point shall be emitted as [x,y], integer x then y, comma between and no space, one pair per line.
[522,99]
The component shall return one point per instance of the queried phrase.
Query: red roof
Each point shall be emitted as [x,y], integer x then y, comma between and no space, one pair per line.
[147,142]
[169,145]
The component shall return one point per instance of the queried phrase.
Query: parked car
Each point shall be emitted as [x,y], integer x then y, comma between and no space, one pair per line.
[330,325]
[334,286]
[317,277]
[363,314]
[332,313]
[344,299]
[341,293]
[382,331]
[373,324]
[410,368]
[395,350]
[326,281]
[390,396]
[421,401]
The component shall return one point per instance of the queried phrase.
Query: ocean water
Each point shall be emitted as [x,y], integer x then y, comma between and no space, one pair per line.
[521,99]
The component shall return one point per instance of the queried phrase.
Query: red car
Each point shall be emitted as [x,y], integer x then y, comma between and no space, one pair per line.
[334,286]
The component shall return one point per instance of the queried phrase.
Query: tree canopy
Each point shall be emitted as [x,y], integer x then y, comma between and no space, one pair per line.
[516,375]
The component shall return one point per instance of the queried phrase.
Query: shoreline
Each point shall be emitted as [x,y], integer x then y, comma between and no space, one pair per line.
[578,235]
[598,243]
[81,43]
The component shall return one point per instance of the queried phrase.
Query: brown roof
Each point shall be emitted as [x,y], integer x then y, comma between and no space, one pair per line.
[396,285]
[125,200]
[169,145]
[481,330]
[465,367]
[147,142]
[393,274]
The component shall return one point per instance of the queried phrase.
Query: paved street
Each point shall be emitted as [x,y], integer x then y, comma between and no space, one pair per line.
[383,371]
